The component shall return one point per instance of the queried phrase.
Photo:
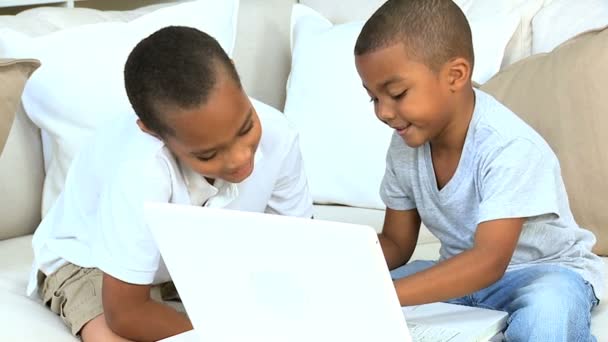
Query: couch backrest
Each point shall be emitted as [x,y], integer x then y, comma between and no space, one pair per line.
[262,53]
[562,94]
[21,178]
[262,57]
[344,11]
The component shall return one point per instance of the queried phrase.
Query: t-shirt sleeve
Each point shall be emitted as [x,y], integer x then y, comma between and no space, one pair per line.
[519,180]
[125,248]
[392,190]
[291,195]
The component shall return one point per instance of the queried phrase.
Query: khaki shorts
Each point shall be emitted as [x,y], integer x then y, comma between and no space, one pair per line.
[74,293]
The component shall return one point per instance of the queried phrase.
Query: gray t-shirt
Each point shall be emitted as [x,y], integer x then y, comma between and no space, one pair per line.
[506,170]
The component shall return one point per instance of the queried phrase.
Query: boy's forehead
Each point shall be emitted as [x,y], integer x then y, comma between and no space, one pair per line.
[385,65]
[213,123]
[225,102]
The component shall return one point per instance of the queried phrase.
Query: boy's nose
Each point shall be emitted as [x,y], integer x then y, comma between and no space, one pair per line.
[240,157]
[384,112]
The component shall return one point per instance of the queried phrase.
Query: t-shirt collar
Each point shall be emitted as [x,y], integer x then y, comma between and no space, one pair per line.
[219,194]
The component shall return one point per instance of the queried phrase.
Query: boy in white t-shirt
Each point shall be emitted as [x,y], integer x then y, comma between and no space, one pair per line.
[483,182]
[197,139]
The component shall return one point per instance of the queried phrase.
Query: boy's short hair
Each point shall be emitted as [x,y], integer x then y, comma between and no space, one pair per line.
[174,67]
[433,31]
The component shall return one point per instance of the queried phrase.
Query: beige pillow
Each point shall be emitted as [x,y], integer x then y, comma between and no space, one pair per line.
[564,96]
[13,75]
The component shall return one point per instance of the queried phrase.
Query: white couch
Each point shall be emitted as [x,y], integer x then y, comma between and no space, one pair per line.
[263,58]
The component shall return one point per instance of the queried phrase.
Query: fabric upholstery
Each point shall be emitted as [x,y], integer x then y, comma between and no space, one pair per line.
[262,54]
[13,75]
[563,96]
[21,170]
[369,217]
[344,11]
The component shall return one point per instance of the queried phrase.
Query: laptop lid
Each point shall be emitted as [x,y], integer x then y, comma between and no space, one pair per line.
[260,277]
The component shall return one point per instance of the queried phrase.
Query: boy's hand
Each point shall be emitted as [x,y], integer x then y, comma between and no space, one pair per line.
[399,236]
[470,271]
[132,314]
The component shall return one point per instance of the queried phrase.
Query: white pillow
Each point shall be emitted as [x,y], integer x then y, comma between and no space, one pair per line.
[519,47]
[564,19]
[80,84]
[343,143]
[520,44]
[340,11]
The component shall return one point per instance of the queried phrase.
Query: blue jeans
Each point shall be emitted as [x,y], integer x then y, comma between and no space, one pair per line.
[545,302]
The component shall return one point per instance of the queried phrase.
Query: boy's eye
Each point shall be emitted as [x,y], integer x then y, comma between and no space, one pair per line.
[373,99]
[206,157]
[399,96]
[247,129]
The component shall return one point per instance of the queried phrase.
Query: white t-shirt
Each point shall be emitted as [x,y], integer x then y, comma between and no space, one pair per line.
[97,221]
[506,170]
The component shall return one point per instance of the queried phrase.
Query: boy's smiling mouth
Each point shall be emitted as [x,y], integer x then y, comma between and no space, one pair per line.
[401,130]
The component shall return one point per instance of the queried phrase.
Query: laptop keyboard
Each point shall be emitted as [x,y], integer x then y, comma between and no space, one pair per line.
[431,333]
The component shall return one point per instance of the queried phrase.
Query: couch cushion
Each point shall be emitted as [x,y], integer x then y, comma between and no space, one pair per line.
[561,20]
[21,179]
[563,96]
[24,319]
[16,258]
[20,163]
[43,20]
[344,11]
[520,45]
[599,316]
[368,217]
[263,32]
[262,54]
[13,75]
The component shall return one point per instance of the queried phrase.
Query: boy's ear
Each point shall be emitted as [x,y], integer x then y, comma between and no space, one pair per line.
[145,129]
[458,73]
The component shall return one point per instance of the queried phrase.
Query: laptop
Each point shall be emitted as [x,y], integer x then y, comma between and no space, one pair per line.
[258,277]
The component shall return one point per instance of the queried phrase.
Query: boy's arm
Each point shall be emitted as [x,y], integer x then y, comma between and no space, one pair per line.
[399,236]
[470,271]
[132,314]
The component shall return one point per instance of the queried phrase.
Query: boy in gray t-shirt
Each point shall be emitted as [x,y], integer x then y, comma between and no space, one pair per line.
[484,182]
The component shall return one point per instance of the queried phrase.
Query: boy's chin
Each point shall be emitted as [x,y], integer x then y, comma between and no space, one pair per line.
[413,143]
[236,180]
